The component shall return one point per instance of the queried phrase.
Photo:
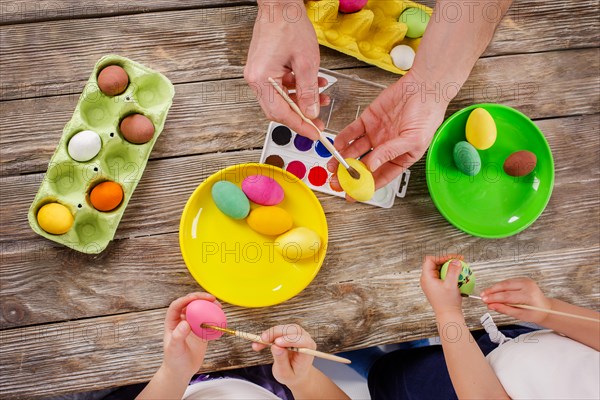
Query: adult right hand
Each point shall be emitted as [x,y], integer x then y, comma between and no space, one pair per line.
[284,47]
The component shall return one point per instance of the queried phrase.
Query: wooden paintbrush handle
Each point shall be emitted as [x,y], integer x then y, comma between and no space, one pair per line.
[564,314]
[320,354]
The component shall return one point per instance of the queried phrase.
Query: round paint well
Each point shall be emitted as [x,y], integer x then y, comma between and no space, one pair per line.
[303,143]
[381,195]
[317,176]
[297,168]
[322,150]
[275,160]
[281,135]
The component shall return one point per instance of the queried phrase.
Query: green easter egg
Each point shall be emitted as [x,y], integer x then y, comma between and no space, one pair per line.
[466,279]
[230,199]
[467,158]
[416,20]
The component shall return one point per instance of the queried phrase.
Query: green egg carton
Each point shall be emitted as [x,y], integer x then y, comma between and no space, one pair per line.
[69,182]
[369,34]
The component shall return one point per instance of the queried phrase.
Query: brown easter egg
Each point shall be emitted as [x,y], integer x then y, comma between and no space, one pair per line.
[137,128]
[520,163]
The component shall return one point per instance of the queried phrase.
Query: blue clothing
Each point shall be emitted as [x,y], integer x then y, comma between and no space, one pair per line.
[421,373]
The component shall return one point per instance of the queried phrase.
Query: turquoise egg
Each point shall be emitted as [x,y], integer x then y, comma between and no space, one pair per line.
[467,158]
[230,199]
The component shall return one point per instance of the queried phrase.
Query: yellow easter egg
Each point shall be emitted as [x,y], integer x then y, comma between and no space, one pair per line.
[481,129]
[361,189]
[270,220]
[298,244]
[55,218]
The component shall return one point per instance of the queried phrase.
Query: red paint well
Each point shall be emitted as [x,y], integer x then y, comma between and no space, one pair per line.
[317,176]
[297,168]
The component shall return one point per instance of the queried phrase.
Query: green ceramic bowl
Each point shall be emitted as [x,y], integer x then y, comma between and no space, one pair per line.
[491,204]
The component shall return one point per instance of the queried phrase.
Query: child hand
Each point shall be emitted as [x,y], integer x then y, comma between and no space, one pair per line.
[443,296]
[289,368]
[517,291]
[183,350]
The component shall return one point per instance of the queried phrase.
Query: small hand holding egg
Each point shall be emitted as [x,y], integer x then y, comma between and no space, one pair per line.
[466,278]
[183,349]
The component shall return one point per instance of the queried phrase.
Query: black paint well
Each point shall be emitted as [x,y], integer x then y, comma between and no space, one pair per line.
[281,135]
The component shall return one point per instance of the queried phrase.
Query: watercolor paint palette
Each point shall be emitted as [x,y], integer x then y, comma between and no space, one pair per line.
[369,34]
[307,160]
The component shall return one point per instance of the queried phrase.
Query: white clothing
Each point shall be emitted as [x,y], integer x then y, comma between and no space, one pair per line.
[545,365]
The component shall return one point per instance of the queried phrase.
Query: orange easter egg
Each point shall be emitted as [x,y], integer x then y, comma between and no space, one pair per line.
[106,196]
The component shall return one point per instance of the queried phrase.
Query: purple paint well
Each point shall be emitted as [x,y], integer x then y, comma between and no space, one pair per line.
[303,143]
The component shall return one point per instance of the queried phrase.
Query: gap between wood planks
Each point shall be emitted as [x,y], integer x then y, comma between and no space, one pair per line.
[55,15]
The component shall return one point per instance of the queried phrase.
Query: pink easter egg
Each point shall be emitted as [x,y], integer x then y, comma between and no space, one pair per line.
[262,190]
[200,312]
[351,6]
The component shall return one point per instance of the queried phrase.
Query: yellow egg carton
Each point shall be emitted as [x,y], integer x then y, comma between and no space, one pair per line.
[369,34]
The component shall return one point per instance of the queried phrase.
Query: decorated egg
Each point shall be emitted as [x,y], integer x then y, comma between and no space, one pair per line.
[481,129]
[230,199]
[403,56]
[520,163]
[262,190]
[416,20]
[351,6]
[270,220]
[361,189]
[200,312]
[106,196]
[113,80]
[55,218]
[298,244]
[466,279]
[137,128]
[84,146]
[467,158]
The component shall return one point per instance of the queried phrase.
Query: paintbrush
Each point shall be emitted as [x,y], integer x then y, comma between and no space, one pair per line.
[353,173]
[257,339]
[541,309]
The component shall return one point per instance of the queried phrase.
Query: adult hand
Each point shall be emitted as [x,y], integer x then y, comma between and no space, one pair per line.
[517,291]
[398,126]
[284,47]
[289,368]
[444,296]
[183,350]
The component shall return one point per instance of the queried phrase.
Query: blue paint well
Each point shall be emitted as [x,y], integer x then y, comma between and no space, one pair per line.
[322,150]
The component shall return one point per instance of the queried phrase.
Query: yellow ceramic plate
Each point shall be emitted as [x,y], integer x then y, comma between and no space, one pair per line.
[233,262]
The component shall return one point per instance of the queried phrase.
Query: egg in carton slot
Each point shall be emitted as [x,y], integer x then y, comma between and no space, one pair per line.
[384,33]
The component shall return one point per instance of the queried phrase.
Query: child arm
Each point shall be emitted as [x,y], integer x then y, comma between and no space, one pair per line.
[183,353]
[470,373]
[526,291]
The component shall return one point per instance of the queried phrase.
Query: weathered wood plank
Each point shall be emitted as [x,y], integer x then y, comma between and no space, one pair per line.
[167,183]
[40,277]
[193,45]
[224,115]
[127,348]
[24,11]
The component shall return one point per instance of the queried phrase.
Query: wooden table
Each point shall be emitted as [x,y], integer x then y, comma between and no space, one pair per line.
[73,322]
